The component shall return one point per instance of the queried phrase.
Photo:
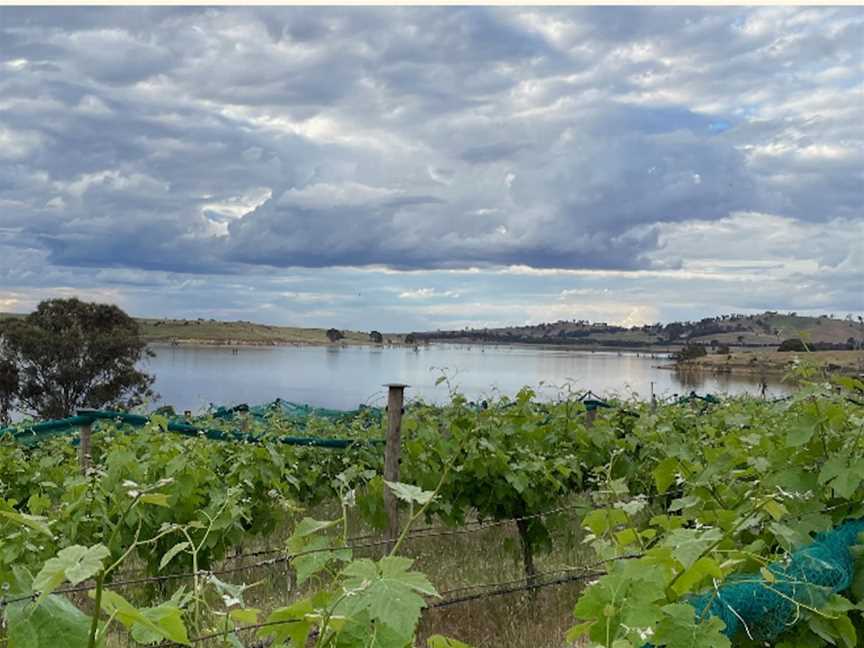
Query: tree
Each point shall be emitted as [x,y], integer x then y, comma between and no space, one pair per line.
[376,337]
[69,354]
[674,330]
[691,351]
[410,339]
[334,335]
[792,344]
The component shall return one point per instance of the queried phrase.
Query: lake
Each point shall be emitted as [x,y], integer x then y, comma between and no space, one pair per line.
[192,377]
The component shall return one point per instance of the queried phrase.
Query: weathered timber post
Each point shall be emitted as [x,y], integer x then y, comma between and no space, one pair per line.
[653,398]
[392,452]
[84,447]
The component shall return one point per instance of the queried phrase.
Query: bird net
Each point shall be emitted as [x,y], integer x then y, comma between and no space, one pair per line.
[766,604]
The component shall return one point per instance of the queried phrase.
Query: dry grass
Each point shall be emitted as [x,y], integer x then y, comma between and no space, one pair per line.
[487,556]
[242,333]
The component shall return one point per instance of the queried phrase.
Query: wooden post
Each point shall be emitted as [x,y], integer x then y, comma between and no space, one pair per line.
[84,447]
[653,398]
[392,451]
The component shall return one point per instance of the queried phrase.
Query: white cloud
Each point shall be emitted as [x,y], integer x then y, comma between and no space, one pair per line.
[709,157]
[428,293]
[325,195]
[18,144]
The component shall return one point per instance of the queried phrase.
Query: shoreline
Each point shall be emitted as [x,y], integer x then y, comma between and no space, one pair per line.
[257,344]
[773,363]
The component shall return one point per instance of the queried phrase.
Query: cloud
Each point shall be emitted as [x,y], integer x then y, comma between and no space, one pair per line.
[225,142]
[428,293]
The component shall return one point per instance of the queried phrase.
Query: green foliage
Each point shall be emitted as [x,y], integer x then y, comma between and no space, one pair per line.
[734,488]
[792,344]
[69,354]
[55,623]
[75,564]
[678,501]
[691,352]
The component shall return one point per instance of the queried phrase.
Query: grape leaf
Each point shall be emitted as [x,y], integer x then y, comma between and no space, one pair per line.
[55,623]
[75,564]
[386,590]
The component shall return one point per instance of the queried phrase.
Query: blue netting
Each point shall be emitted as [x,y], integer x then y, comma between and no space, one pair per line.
[763,610]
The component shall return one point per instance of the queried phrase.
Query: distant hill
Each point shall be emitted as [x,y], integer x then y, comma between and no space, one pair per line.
[767,329]
[209,331]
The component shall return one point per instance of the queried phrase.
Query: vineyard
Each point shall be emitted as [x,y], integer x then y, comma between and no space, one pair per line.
[691,524]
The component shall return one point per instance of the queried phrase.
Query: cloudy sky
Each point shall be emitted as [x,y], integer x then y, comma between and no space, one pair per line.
[420,168]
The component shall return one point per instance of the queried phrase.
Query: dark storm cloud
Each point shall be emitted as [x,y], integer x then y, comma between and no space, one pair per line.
[208,140]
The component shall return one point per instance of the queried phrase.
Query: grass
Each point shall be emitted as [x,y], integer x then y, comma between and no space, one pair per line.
[200,331]
[487,556]
[215,332]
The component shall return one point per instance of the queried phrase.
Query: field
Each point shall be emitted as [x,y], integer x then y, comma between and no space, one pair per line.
[241,333]
[216,332]
[523,524]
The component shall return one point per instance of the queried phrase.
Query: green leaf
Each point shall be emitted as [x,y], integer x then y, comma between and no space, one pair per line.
[308,526]
[577,631]
[664,473]
[248,616]
[623,600]
[386,591]
[410,493]
[602,520]
[688,545]
[800,432]
[683,503]
[75,564]
[173,551]
[695,574]
[55,623]
[159,499]
[775,509]
[312,553]
[36,522]
[164,621]
[293,622]
[169,620]
[679,627]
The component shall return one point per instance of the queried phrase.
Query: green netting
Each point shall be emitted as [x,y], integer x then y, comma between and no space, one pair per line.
[30,435]
[295,412]
[763,608]
[592,401]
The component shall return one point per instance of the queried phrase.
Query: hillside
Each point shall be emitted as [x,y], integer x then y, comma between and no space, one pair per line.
[767,329]
[201,331]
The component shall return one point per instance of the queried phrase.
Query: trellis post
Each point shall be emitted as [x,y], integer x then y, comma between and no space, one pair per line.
[84,447]
[392,452]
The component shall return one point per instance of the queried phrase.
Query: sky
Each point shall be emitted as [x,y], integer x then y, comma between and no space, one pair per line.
[421,168]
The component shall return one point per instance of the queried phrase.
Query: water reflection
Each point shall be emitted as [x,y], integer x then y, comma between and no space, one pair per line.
[343,377]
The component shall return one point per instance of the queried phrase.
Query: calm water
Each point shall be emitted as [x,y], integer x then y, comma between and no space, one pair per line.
[343,377]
